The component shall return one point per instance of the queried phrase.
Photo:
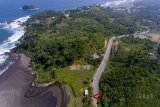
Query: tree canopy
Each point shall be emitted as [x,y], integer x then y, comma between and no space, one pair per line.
[132,76]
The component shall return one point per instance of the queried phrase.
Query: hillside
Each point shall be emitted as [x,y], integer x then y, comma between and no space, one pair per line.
[56,40]
[132,76]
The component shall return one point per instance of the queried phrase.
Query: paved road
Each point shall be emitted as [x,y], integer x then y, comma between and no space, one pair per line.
[102,66]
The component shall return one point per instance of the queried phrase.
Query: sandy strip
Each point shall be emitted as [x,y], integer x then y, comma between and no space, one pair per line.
[15,86]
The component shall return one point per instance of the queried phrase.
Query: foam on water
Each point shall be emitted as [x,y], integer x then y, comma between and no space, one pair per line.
[2,71]
[29,9]
[3,58]
[17,30]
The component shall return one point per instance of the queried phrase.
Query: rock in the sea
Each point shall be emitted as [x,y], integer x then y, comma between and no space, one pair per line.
[29,7]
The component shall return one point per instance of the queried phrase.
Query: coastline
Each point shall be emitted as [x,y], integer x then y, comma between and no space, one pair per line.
[16,88]
[18,81]
[17,29]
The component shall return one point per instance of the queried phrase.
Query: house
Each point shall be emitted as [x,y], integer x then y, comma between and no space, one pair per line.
[96,56]
[67,14]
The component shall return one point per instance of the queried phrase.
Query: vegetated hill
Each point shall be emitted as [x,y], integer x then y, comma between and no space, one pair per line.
[150,12]
[56,39]
[132,78]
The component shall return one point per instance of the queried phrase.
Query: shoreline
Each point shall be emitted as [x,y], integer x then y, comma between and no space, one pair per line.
[19,79]
[19,73]
[17,29]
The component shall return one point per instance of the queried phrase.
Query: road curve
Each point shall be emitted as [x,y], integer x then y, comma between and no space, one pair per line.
[101,68]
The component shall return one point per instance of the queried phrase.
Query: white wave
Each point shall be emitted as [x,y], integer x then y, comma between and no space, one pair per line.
[1,72]
[116,3]
[3,58]
[17,30]
[29,9]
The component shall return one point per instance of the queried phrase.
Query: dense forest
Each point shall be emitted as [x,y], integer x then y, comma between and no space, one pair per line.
[132,78]
[57,39]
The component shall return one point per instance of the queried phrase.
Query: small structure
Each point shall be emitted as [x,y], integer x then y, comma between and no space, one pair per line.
[98,96]
[53,17]
[67,14]
[96,56]
[153,55]
[78,67]
[86,92]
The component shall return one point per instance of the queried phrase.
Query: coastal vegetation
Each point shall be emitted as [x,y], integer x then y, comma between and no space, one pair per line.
[132,76]
[55,40]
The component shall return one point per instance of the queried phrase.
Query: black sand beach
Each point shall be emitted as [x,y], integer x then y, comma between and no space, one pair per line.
[16,89]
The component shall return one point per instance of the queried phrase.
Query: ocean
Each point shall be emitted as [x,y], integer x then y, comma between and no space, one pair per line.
[11,17]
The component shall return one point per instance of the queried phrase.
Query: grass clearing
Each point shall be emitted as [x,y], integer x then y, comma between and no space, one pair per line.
[75,79]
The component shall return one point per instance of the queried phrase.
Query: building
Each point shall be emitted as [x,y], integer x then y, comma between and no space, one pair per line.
[86,92]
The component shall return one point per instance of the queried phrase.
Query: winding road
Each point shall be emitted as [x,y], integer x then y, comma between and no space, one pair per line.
[102,66]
